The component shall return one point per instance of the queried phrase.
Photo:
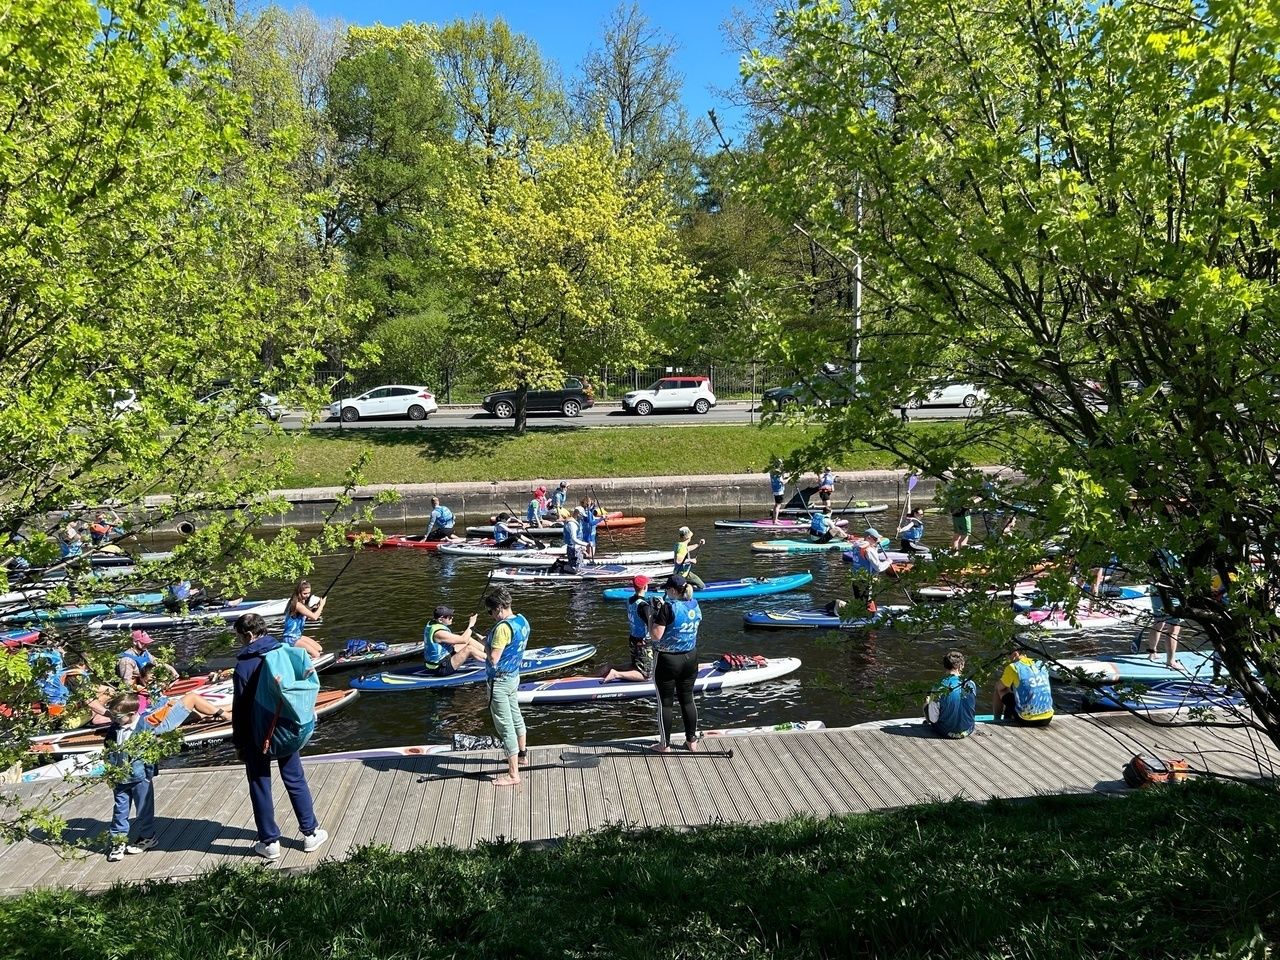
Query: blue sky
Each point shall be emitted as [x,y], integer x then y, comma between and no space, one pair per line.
[565,30]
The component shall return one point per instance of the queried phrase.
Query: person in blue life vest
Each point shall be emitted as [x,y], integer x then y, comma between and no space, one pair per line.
[826,486]
[302,607]
[507,535]
[777,487]
[49,673]
[559,499]
[440,522]
[684,558]
[592,517]
[1023,693]
[869,562]
[823,528]
[182,594]
[250,728]
[504,648]
[70,541]
[952,704]
[639,615]
[674,631]
[911,533]
[131,662]
[574,544]
[444,651]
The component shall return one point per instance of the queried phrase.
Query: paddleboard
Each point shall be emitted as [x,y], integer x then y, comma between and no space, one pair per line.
[856,510]
[949,592]
[710,679]
[394,652]
[768,524]
[1057,620]
[728,589]
[538,559]
[542,533]
[798,546]
[536,660]
[394,541]
[14,639]
[857,618]
[606,571]
[611,515]
[85,611]
[1138,667]
[209,613]
[484,549]
[1169,695]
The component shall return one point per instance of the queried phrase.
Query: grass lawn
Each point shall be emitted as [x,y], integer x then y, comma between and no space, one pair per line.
[1185,872]
[320,458]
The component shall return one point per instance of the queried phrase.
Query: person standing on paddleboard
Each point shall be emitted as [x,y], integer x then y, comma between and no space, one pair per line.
[826,486]
[674,629]
[504,649]
[777,486]
[684,558]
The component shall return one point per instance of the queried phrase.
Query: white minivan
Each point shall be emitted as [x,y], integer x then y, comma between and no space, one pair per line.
[676,392]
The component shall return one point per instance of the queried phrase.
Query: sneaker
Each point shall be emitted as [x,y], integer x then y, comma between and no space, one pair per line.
[313,842]
[267,851]
[142,846]
[116,854]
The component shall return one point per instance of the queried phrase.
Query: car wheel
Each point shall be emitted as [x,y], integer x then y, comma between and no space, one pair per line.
[970,399]
[350,414]
[788,401]
[416,412]
[644,408]
[702,406]
[504,409]
[571,408]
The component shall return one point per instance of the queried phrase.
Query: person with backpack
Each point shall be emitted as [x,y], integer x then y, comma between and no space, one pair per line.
[1023,694]
[952,704]
[674,630]
[504,647]
[262,733]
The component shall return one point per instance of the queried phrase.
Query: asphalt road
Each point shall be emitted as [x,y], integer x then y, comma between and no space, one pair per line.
[594,417]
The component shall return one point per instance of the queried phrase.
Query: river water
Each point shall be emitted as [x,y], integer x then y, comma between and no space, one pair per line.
[844,678]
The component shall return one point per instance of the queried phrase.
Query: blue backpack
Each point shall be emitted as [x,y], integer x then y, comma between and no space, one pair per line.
[358,648]
[287,691]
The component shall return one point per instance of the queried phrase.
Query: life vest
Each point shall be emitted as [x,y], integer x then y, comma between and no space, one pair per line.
[98,532]
[180,591]
[557,499]
[828,481]
[1033,696]
[70,548]
[443,516]
[50,682]
[681,635]
[683,564]
[819,523]
[534,512]
[955,702]
[509,661]
[293,625]
[914,532]
[635,622]
[433,651]
[501,534]
[777,483]
[141,660]
[871,559]
[572,534]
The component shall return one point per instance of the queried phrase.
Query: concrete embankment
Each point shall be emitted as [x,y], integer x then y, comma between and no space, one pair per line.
[733,494]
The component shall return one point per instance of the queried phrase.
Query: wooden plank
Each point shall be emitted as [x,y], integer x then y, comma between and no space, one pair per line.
[768,789]
[394,790]
[183,827]
[876,759]
[235,833]
[592,784]
[636,788]
[556,786]
[785,763]
[350,825]
[843,782]
[836,793]
[464,815]
[575,794]
[838,746]
[666,789]
[438,828]
[322,778]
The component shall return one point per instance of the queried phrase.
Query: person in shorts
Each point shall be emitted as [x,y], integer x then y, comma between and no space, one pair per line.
[444,651]
[639,618]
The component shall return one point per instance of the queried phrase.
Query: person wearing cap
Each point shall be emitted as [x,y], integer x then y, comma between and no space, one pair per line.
[869,562]
[674,630]
[823,529]
[911,532]
[444,651]
[533,513]
[639,613]
[504,647]
[684,558]
[131,662]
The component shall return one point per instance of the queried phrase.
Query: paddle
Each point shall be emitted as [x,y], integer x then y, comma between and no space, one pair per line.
[600,506]
[911,485]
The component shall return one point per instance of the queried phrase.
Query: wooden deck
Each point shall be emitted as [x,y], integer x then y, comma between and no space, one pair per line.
[205,819]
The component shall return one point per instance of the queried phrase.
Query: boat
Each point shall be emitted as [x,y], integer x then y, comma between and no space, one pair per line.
[858,509]
[485,549]
[557,530]
[768,524]
[85,611]
[729,589]
[595,571]
[531,558]
[821,620]
[394,652]
[710,678]
[536,660]
[1138,667]
[1168,695]
[203,614]
[193,734]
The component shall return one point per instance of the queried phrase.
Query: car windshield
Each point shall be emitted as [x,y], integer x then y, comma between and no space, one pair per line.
[656,385]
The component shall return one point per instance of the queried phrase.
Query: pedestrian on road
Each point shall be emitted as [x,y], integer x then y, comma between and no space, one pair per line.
[674,629]
[250,731]
[504,647]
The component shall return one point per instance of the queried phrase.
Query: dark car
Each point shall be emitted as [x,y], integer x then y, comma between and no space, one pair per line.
[825,389]
[574,397]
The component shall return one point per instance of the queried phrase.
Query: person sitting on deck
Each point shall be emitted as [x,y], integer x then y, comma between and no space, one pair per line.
[1023,693]
[444,651]
[950,707]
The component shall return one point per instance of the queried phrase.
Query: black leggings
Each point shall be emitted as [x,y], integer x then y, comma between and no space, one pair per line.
[674,674]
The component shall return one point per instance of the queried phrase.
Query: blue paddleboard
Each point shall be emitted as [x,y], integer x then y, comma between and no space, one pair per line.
[536,660]
[727,589]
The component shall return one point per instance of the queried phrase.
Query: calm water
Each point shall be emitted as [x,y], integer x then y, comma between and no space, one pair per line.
[389,594]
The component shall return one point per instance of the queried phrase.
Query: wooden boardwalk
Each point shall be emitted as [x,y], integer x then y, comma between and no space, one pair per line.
[205,819]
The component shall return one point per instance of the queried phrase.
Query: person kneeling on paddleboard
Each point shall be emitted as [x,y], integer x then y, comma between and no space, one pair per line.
[639,615]
[440,526]
[574,544]
[444,651]
[912,532]
[506,535]
[823,529]
[674,629]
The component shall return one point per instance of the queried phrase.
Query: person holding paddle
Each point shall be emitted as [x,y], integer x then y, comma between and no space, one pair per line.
[777,486]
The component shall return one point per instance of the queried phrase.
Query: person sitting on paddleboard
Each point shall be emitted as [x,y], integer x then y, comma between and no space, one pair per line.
[444,651]
[559,498]
[296,614]
[102,531]
[440,524]
[777,486]
[674,629]
[639,614]
[912,531]
[131,662]
[181,594]
[684,558]
[950,707]
[869,562]
[826,486]
[506,535]
[533,513]
[823,529]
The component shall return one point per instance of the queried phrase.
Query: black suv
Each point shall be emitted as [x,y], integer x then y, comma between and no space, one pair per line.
[570,400]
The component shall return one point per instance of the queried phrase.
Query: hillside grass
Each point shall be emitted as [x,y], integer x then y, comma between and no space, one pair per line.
[1183,872]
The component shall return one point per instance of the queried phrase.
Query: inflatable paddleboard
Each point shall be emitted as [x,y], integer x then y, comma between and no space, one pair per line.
[710,678]
[856,619]
[798,546]
[603,571]
[394,541]
[543,533]
[1169,695]
[1057,620]
[486,550]
[1138,667]
[536,660]
[205,614]
[14,639]
[86,611]
[859,509]
[728,589]
[530,558]
[768,524]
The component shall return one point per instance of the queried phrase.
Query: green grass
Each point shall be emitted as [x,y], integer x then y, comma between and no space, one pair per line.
[1186,872]
[320,458]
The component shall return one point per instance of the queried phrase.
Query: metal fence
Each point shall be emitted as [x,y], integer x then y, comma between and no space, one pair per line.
[458,384]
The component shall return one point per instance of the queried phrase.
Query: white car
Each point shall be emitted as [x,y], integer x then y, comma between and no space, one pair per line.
[226,401]
[953,395]
[677,392]
[393,400]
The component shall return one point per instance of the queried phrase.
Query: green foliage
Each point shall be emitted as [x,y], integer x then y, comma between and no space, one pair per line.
[415,348]
[1078,211]
[1049,878]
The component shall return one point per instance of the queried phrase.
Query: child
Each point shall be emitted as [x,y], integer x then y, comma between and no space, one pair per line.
[950,708]
[912,531]
[299,611]
[685,559]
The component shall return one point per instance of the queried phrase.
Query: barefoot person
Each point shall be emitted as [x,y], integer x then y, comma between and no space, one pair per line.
[674,631]
[777,486]
[296,614]
[504,649]
[445,651]
[639,613]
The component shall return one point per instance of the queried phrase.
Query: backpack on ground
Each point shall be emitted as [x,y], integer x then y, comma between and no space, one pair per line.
[287,690]
[1144,771]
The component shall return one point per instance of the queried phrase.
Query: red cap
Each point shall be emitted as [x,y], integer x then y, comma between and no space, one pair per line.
[640,582]
[141,637]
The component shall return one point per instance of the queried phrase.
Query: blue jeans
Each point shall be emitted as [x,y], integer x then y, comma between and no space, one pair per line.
[258,769]
[142,796]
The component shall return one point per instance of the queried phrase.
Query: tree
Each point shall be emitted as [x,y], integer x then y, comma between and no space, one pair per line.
[147,247]
[1079,209]
[557,262]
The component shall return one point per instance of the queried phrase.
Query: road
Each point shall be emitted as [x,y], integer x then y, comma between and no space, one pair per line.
[471,417]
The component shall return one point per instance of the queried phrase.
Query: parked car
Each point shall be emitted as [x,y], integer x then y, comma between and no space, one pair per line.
[953,395]
[392,400]
[678,392]
[224,401]
[571,399]
[122,401]
[830,388]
